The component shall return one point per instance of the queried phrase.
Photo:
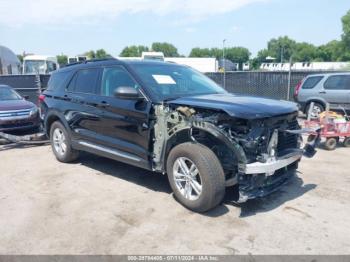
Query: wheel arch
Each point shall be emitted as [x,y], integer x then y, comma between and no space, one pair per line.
[315,100]
[212,137]
[52,117]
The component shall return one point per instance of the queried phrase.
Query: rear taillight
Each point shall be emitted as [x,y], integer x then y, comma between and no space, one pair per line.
[41,98]
[297,88]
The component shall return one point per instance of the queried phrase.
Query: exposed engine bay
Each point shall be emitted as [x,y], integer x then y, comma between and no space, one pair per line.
[257,155]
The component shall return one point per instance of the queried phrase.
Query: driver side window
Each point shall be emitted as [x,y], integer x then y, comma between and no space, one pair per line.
[114,77]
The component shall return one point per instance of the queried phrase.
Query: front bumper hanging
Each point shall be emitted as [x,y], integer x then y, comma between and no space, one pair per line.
[259,179]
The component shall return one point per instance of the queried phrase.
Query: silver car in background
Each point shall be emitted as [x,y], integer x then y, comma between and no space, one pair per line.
[333,88]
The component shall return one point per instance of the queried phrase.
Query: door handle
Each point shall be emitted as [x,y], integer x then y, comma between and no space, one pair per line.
[322,92]
[103,104]
[66,98]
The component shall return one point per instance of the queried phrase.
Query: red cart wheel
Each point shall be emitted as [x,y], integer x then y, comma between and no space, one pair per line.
[331,143]
[346,142]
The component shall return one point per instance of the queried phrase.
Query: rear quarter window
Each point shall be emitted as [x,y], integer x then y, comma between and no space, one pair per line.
[311,82]
[84,81]
[338,82]
[58,80]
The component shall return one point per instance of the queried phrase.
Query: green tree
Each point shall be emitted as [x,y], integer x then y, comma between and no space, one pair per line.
[201,52]
[281,48]
[62,59]
[237,54]
[98,54]
[346,30]
[20,58]
[305,52]
[90,54]
[133,51]
[216,52]
[168,49]
[101,54]
[263,54]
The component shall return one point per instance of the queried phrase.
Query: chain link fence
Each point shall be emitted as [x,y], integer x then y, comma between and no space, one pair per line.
[264,84]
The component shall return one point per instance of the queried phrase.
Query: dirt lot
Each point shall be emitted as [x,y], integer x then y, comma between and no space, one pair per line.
[98,206]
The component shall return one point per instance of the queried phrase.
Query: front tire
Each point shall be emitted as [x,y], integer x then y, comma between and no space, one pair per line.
[61,144]
[196,176]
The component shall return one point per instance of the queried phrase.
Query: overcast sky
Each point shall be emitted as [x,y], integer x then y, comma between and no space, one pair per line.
[73,27]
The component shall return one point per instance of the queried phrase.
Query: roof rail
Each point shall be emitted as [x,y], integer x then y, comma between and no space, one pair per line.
[72,64]
[91,61]
[99,60]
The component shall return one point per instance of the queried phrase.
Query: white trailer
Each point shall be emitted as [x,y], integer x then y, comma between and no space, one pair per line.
[306,66]
[204,65]
[76,59]
[39,64]
[159,56]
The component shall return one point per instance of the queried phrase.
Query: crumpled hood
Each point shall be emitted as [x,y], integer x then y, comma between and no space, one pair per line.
[8,105]
[246,107]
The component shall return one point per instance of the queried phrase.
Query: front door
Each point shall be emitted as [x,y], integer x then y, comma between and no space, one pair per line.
[124,124]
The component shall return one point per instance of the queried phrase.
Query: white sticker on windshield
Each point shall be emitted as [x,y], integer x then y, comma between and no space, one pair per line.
[164,79]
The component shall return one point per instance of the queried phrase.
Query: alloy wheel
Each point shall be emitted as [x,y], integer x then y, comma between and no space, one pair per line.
[187,178]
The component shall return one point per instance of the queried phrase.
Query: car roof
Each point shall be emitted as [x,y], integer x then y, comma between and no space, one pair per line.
[111,62]
[329,74]
[5,86]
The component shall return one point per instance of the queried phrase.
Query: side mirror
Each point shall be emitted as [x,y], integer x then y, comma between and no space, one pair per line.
[127,92]
[26,97]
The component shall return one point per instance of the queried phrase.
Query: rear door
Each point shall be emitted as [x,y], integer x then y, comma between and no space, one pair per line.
[82,114]
[309,88]
[124,124]
[336,91]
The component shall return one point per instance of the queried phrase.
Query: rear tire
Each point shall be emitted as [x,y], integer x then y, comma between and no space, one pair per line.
[317,109]
[331,143]
[346,142]
[61,143]
[194,168]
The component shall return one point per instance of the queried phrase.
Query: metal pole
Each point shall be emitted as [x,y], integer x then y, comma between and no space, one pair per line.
[282,51]
[223,58]
[289,77]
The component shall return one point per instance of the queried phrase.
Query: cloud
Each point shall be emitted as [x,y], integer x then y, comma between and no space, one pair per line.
[190,29]
[235,29]
[53,12]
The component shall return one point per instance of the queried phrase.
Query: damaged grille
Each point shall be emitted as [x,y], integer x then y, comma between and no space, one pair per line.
[287,140]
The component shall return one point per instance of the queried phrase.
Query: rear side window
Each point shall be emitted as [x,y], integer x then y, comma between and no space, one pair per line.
[84,81]
[311,82]
[338,82]
[58,80]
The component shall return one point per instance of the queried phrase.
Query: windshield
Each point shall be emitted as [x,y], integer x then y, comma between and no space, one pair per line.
[34,66]
[8,94]
[168,81]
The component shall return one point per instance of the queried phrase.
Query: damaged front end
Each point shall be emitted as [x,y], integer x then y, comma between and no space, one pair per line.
[257,155]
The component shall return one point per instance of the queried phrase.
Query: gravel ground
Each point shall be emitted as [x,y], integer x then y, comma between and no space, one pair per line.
[99,206]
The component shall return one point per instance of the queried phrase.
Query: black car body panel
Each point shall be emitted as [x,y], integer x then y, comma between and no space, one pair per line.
[246,107]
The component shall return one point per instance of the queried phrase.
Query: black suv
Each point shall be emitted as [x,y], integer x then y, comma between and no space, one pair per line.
[171,119]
